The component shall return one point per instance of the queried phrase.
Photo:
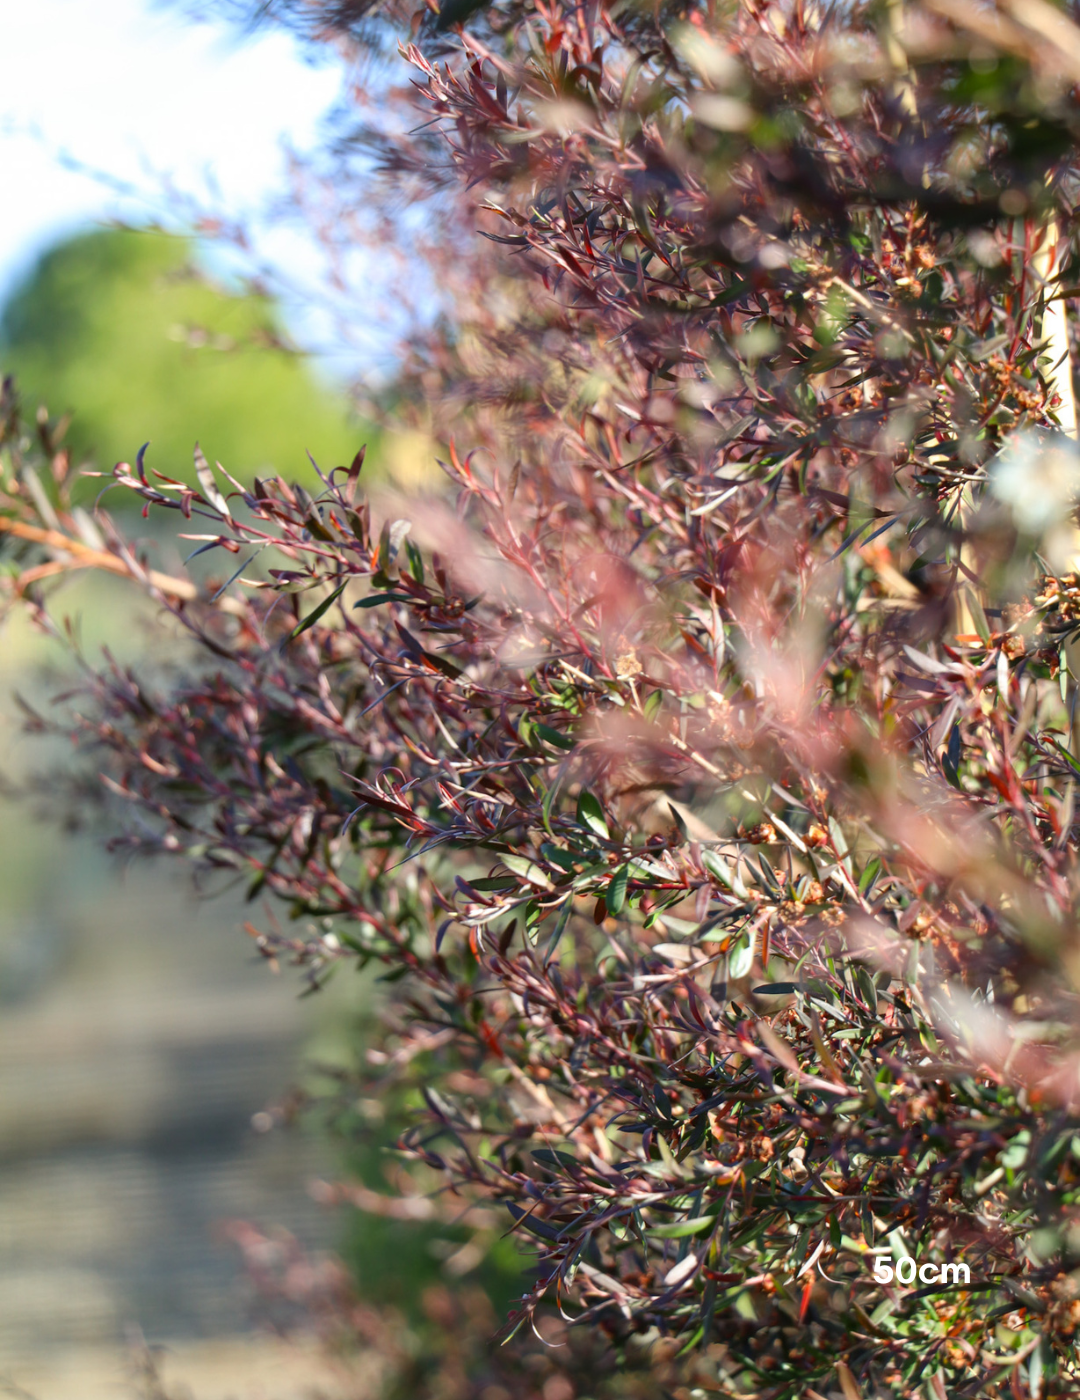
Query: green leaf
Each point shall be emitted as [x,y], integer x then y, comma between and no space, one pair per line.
[552,736]
[615,897]
[950,761]
[552,1157]
[651,707]
[870,874]
[316,613]
[374,599]
[441,663]
[1066,755]
[679,1229]
[729,877]
[531,1223]
[978,616]
[527,869]
[591,814]
[658,912]
[1015,1155]
[769,875]
[741,958]
[545,814]
[558,931]
[416,561]
[867,986]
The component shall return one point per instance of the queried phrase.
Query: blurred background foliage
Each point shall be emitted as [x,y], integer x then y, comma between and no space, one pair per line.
[124,330]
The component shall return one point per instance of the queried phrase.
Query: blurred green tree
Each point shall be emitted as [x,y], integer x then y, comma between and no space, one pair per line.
[124,326]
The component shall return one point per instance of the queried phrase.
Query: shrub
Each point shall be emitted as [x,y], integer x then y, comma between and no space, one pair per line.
[701,769]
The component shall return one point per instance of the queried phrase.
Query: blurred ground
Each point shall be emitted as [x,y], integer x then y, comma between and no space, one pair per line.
[139,1035]
[127,1088]
[231,1369]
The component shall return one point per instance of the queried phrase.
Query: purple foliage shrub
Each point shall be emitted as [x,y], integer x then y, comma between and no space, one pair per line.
[699,763]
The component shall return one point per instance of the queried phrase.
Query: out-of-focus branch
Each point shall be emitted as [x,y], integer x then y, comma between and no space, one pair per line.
[83,556]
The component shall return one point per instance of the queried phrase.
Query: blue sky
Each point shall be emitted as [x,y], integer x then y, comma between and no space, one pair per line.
[146,98]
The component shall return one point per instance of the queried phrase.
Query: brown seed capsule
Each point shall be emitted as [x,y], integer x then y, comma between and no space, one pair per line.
[627,664]
[762,1147]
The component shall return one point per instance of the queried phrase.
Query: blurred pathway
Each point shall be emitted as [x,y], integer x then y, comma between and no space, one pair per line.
[234,1369]
[134,1052]
[139,1035]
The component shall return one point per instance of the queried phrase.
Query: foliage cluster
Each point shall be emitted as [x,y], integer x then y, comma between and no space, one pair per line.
[122,326]
[701,769]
